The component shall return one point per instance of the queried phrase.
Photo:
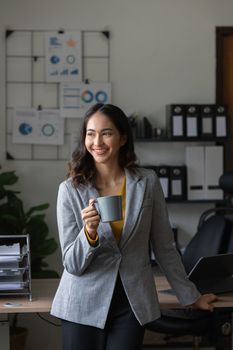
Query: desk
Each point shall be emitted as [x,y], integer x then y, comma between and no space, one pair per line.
[43,291]
[170,301]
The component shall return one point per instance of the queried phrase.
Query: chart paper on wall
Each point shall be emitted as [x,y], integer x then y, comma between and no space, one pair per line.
[38,127]
[77,98]
[63,56]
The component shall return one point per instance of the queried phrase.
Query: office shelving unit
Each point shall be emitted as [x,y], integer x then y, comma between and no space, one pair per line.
[208,141]
[15,266]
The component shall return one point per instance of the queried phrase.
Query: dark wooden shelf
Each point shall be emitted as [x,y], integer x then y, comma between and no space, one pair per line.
[166,139]
[198,201]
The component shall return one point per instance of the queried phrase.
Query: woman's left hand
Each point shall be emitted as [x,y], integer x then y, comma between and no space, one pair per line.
[204,302]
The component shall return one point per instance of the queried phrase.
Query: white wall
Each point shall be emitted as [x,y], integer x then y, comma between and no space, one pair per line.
[162,51]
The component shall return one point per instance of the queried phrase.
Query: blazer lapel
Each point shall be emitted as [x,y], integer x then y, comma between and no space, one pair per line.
[135,190]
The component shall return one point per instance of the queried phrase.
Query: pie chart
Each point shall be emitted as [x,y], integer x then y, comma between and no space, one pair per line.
[54,59]
[25,129]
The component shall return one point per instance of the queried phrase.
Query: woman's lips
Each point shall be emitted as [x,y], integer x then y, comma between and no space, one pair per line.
[100,151]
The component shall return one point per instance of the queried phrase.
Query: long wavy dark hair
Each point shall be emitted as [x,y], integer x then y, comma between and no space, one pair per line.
[81,168]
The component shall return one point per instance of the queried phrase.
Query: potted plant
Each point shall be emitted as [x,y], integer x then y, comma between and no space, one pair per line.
[15,220]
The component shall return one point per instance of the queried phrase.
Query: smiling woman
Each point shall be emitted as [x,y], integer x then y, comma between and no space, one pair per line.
[107,291]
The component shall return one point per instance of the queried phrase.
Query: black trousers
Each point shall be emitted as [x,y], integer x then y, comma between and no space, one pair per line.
[122,330]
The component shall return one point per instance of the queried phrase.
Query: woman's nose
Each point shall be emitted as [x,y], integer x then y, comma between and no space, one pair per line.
[98,140]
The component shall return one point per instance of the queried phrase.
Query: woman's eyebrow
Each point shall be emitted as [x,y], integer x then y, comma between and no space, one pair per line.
[105,129]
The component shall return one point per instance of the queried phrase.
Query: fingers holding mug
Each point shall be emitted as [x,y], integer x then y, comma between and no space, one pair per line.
[92,225]
[91,217]
[92,202]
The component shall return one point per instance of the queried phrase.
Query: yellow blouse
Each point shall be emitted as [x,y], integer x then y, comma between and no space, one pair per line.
[117,226]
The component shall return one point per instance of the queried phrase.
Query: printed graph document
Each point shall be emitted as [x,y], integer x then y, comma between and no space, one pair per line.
[38,126]
[77,98]
[63,56]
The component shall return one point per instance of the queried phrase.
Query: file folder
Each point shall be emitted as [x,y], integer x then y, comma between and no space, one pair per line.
[176,121]
[207,122]
[195,172]
[192,121]
[177,188]
[221,121]
[213,171]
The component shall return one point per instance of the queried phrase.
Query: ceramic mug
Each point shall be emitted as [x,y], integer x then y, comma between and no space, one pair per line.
[109,208]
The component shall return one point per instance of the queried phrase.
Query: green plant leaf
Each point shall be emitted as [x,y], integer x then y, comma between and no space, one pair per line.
[10,224]
[40,217]
[6,193]
[37,228]
[15,204]
[8,178]
[45,274]
[44,264]
[37,208]
[47,247]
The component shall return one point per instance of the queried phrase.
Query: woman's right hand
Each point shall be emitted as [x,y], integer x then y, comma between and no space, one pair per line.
[204,302]
[91,219]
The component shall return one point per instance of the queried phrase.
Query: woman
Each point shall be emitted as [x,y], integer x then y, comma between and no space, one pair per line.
[107,291]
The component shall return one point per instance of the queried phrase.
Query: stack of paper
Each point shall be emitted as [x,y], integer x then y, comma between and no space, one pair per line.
[9,252]
[10,274]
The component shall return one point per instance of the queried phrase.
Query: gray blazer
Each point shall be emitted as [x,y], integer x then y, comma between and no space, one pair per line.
[87,283]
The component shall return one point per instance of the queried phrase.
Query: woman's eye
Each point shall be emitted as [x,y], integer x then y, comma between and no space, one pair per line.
[90,134]
[107,133]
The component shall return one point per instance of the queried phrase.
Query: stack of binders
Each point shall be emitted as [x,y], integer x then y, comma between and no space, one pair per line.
[197,121]
[173,181]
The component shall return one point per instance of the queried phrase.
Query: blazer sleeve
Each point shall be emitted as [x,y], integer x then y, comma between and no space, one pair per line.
[77,253]
[163,245]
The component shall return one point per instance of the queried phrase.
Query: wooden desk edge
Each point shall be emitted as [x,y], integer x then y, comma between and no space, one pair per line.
[43,291]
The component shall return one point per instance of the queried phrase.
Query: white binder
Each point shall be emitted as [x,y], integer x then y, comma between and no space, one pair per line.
[191,127]
[207,126]
[204,168]
[178,125]
[221,126]
[213,171]
[195,172]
